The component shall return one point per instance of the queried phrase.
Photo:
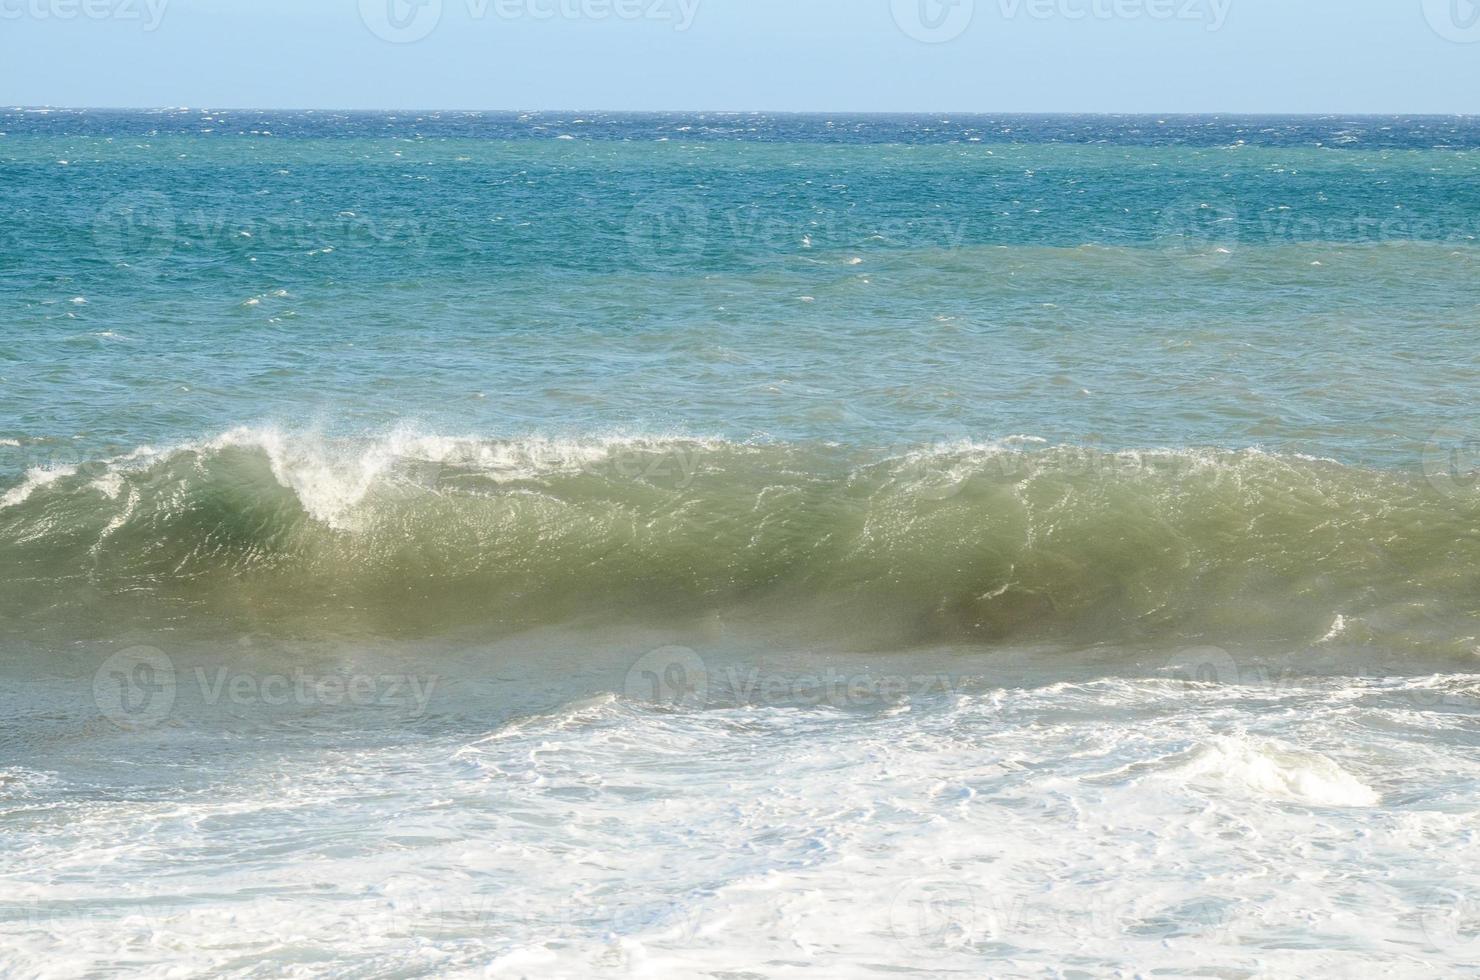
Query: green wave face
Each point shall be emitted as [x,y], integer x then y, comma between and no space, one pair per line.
[1003,543]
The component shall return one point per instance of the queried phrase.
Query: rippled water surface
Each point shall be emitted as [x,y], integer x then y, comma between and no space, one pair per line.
[737,545]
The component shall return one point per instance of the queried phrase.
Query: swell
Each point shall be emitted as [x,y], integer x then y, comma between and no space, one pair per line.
[1011,541]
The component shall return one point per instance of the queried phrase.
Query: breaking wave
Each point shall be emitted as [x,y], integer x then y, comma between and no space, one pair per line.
[983,542]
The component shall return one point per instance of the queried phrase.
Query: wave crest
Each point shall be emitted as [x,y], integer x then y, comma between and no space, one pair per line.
[981,541]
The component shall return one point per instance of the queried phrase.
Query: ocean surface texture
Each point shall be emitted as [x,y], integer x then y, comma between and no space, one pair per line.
[590,545]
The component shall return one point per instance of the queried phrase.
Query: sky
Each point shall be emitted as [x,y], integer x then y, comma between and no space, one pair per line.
[1347,56]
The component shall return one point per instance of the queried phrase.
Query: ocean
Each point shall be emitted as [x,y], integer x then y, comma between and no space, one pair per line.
[738,545]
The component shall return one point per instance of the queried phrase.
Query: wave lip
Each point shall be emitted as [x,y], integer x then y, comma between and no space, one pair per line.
[1011,539]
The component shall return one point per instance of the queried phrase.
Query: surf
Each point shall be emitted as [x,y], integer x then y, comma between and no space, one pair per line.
[1012,540]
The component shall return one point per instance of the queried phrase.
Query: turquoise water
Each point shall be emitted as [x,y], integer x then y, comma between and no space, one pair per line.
[577,544]
[343,361]
[1061,278]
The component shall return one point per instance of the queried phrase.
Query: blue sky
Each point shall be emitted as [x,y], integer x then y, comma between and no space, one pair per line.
[834,55]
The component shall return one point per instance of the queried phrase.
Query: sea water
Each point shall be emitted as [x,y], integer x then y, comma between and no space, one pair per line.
[576,545]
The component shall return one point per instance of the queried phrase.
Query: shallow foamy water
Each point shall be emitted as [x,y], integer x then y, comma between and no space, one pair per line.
[1099,826]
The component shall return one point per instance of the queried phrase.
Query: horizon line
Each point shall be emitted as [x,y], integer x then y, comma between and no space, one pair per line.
[770,112]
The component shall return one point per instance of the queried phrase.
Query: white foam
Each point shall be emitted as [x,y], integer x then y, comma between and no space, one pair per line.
[1276,770]
[328,481]
[992,831]
[332,478]
[109,485]
[1338,627]
[36,478]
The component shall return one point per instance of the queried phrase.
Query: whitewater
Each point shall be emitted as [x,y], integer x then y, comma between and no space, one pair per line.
[738,545]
